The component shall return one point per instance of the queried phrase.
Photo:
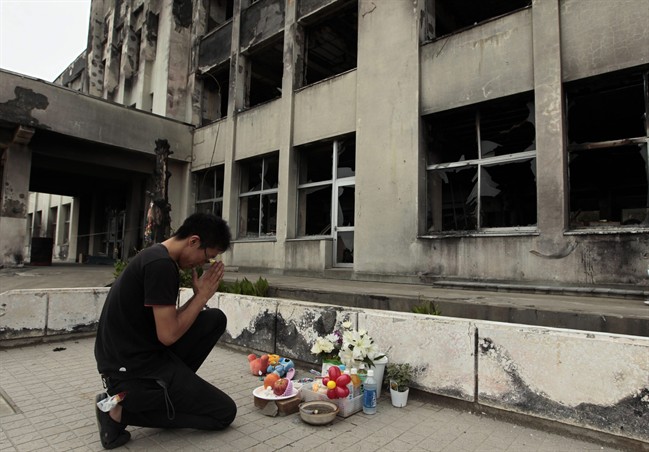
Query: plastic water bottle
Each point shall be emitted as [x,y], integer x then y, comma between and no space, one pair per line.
[369,393]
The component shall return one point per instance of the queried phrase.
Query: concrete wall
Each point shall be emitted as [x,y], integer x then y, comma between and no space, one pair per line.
[491,60]
[325,109]
[258,130]
[32,102]
[44,202]
[598,381]
[397,80]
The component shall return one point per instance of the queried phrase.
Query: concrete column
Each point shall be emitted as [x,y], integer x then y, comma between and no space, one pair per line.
[286,197]
[387,134]
[236,100]
[94,59]
[74,231]
[551,166]
[14,201]
[177,64]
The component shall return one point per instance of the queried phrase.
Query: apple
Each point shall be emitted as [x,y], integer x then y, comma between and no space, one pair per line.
[279,387]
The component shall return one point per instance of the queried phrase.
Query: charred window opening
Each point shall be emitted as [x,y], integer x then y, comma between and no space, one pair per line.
[216,85]
[450,16]
[209,190]
[219,12]
[136,53]
[331,44]
[481,167]
[323,167]
[608,139]
[266,68]
[258,197]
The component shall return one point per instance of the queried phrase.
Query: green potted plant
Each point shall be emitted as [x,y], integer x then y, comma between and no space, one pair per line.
[399,376]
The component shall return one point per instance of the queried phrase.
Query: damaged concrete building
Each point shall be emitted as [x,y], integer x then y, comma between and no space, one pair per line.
[370,139]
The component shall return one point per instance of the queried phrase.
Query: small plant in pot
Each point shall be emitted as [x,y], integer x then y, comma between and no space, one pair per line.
[399,376]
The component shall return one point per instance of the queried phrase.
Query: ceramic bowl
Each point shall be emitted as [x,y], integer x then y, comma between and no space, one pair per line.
[318,412]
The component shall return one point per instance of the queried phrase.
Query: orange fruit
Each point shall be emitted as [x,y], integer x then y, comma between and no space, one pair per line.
[270,379]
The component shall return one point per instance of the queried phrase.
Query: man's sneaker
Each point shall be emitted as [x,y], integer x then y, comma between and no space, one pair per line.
[646,302]
[111,433]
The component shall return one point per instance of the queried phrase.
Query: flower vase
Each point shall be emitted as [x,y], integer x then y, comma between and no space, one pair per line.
[379,369]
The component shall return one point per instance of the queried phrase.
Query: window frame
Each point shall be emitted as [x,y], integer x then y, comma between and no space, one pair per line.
[331,183]
[479,163]
[261,193]
[215,200]
[611,144]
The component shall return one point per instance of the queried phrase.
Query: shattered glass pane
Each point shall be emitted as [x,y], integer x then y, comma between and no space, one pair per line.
[314,212]
[453,200]
[346,158]
[603,110]
[251,175]
[452,138]
[346,206]
[269,214]
[508,194]
[345,251]
[316,163]
[271,172]
[507,130]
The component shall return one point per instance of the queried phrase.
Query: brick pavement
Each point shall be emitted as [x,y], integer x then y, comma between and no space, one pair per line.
[54,392]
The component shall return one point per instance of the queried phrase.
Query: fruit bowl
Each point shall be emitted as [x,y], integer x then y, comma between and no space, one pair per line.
[318,412]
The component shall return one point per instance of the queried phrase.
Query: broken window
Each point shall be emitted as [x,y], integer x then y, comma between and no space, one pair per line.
[209,190]
[258,197]
[266,68]
[218,12]
[325,167]
[216,85]
[331,44]
[481,166]
[607,150]
[449,16]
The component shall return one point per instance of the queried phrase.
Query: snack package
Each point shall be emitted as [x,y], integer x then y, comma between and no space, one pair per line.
[110,402]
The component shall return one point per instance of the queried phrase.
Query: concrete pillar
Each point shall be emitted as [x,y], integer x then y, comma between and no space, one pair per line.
[94,62]
[388,179]
[14,200]
[74,231]
[177,25]
[286,197]
[236,102]
[551,166]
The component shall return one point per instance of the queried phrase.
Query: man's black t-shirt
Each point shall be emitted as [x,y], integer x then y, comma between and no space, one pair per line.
[127,345]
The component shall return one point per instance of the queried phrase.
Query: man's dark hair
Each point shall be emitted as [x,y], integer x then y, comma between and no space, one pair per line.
[213,231]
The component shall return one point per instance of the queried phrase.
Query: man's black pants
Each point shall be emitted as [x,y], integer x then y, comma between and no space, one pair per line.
[179,398]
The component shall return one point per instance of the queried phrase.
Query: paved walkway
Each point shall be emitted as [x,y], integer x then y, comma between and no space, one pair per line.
[52,387]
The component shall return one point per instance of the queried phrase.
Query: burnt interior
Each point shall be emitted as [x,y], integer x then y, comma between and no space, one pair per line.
[216,84]
[330,43]
[455,15]
[607,135]
[219,12]
[266,71]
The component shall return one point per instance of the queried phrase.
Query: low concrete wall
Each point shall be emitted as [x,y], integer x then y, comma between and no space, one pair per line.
[598,381]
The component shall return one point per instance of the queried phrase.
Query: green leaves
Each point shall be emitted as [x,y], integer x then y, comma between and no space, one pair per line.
[245,287]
